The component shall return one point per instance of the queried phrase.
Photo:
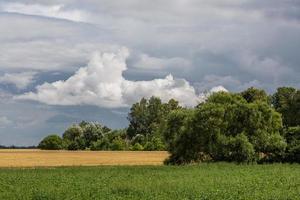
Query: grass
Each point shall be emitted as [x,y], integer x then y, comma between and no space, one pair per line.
[41,158]
[205,181]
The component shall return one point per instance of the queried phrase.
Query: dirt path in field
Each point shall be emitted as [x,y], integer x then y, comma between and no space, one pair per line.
[41,158]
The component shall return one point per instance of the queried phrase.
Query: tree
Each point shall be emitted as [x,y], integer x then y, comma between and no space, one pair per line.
[253,94]
[155,144]
[92,132]
[225,128]
[240,149]
[51,142]
[101,144]
[286,101]
[118,144]
[138,122]
[176,137]
[81,136]
[73,132]
[147,116]
[137,147]
[292,136]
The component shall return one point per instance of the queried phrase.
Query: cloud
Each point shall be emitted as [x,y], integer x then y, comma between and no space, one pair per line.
[20,80]
[148,62]
[4,121]
[101,83]
[229,82]
[54,11]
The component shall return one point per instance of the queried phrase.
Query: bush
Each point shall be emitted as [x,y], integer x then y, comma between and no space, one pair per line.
[155,144]
[139,138]
[102,144]
[137,147]
[72,133]
[292,136]
[51,142]
[118,144]
[241,149]
[77,144]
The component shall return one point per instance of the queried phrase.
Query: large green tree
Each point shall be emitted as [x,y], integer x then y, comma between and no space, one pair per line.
[286,101]
[225,128]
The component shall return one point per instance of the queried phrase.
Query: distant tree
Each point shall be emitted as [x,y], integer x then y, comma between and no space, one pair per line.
[137,147]
[286,101]
[253,94]
[101,144]
[92,132]
[155,144]
[73,132]
[51,142]
[81,136]
[146,116]
[118,144]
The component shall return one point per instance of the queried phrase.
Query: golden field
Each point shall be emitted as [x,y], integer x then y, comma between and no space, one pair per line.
[42,158]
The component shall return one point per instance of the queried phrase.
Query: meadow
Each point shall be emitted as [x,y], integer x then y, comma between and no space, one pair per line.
[203,181]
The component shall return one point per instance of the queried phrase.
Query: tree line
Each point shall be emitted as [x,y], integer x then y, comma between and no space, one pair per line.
[249,126]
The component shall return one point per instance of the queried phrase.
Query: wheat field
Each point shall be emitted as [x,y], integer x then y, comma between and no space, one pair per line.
[42,158]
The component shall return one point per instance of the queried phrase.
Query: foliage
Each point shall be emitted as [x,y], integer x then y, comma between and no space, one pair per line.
[146,116]
[292,136]
[226,128]
[101,144]
[155,144]
[138,139]
[72,133]
[118,144]
[51,142]
[286,101]
[137,147]
[83,135]
[253,94]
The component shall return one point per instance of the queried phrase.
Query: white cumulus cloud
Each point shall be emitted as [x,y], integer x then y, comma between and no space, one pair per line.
[101,83]
[20,80]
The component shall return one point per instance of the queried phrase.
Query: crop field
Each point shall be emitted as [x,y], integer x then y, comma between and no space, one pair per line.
[42,158]
[203,181]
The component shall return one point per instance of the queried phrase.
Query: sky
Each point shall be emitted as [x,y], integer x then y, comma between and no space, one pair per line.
[63,61]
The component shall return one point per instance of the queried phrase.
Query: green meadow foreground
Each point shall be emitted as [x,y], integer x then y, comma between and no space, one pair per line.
[204,181]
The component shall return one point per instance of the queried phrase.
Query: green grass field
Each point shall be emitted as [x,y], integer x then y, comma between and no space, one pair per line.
[205,181]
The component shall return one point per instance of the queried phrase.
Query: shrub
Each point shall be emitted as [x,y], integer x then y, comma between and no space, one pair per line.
[292,136]
[102,144]
[72,133]
[118,144]
[241,149]
[155,144]
[139,138]
[51,142]
[137,147]
[77,144]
